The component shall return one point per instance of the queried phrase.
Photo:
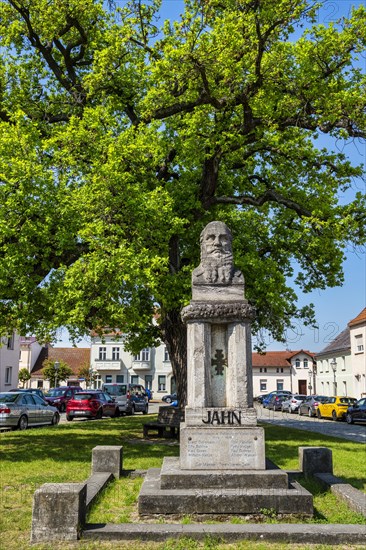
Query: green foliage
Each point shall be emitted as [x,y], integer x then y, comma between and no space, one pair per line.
[61,374]
[121,136]
[23,375]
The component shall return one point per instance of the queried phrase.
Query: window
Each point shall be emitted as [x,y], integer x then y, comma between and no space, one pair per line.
[39,383]
[148,381]
[344,388]
[279,385]
[263,369]
[108,378]
[120,378]
[115,354]
[306,365]
[10,343]
[102,354]
[161,383]
[134,379]
[263,385]
[144,355]
[166,355]
[343,363]
[8,375]
[297,363]
[279,369]
[359,343]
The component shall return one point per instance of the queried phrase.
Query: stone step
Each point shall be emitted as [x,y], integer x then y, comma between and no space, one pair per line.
[155,500]
[322,534]
[173,477]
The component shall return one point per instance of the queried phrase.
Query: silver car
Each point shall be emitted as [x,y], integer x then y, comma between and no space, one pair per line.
[20,410]
[292,403]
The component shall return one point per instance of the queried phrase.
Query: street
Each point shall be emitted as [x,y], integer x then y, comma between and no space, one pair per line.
[353,432]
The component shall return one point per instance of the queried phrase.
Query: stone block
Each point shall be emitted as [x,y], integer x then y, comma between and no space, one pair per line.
[314,460]
[173,477]
[214,448]
[220,416]
[59,512]
[154,500]
[107,458]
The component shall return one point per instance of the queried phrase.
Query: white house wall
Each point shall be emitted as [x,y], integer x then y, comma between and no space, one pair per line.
[153,371]
[9,363]
[358,354]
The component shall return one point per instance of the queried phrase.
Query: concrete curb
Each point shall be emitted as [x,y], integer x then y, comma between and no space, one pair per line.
[355,499]
[286,533]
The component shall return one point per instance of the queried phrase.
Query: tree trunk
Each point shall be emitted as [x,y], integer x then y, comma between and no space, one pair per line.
[175,338]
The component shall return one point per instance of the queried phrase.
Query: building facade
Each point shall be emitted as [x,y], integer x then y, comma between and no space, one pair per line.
[111,363]
[283,370]
[74,358]
[29,352]
[9,361]
[341,365]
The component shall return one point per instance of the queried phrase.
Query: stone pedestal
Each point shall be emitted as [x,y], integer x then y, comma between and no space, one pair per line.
[222,466]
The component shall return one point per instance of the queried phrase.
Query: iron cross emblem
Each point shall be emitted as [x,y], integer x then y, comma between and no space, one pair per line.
[219,362]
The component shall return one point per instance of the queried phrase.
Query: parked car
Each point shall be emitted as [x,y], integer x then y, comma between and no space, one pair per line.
[131,398]
[310,404]
[169,398]
[335,407]
[37,391]
[91,404]
[267,398]
[357,412]
[23,409]
[276,401]
[260,398]
[291,405]
[59,397]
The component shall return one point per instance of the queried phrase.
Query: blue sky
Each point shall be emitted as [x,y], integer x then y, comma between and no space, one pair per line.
[334,307]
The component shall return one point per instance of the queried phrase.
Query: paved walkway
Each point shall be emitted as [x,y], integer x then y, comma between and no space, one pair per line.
[352,432]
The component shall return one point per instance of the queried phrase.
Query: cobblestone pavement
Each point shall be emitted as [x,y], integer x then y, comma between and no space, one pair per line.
[353,432]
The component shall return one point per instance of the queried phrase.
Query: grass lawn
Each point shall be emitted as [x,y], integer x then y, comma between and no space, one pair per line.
[63,454]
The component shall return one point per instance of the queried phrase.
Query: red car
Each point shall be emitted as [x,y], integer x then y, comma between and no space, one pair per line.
[59,397]
[91,404]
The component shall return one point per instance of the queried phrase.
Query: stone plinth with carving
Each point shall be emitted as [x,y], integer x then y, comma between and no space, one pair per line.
[219,414]
[222,467]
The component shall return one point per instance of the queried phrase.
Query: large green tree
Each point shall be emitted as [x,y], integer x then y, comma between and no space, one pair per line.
[121,136]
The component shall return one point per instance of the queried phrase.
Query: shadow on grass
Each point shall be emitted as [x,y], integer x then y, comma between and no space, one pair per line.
[74,442]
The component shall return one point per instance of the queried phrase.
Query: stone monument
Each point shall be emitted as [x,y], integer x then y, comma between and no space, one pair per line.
[222,467]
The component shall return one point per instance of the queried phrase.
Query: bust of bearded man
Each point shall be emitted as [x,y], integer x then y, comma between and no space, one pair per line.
[216,267]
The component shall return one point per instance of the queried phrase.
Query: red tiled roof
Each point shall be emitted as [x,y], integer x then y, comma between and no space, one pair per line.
[276,358]
[73,357]
[361,318]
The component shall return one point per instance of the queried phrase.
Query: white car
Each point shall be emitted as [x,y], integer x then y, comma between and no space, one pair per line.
[292,403]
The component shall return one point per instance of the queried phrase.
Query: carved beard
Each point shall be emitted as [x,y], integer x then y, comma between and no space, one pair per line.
[218,270]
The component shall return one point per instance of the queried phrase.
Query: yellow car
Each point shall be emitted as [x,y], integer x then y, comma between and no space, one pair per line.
[335,407]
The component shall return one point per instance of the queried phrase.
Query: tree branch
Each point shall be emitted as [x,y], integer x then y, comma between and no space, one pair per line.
[269,196]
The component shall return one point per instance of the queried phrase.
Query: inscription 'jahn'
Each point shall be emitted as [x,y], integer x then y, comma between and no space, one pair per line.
[223,417]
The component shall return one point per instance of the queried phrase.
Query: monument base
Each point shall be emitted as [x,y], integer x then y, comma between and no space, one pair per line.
[172,490]
[222,448]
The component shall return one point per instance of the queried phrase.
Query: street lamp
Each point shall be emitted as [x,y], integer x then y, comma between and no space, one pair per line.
[334,367]
[310,385]
[91,377]
[56,366]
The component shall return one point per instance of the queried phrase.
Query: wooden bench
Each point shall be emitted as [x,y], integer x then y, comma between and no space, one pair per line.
[167,424]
